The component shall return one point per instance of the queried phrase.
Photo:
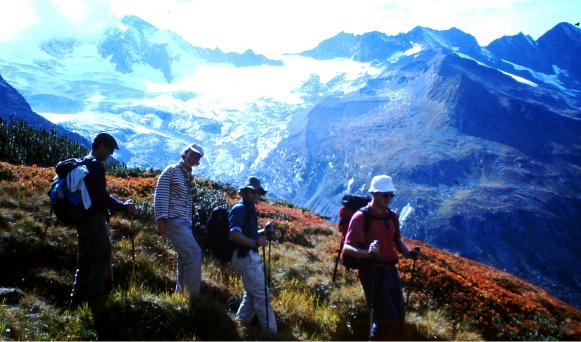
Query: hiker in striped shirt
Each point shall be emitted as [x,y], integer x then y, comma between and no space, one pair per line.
[173,214]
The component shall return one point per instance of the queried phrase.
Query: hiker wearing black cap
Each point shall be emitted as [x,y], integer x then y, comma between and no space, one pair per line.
[173,214]
[243,224]
[94,247]
[374,238]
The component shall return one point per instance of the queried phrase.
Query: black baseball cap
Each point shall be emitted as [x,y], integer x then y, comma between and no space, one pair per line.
[105,139]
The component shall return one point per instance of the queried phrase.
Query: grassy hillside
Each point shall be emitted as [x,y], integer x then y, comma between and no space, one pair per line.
[453,298]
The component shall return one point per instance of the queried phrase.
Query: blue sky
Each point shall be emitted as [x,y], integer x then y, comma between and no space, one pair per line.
[273,27]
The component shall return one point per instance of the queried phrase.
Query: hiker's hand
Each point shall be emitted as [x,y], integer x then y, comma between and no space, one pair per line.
[131,208]
[415,253]
[261,241]
[161,227]
[373,248]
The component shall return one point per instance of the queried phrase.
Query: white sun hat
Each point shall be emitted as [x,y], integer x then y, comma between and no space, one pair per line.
[381,183]
[197,149]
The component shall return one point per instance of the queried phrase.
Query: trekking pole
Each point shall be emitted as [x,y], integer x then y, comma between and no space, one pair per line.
[417,249]
[132,237]
[372,301]
[337,262]
[265,288]
[269,264]
[48,222]
[373,295]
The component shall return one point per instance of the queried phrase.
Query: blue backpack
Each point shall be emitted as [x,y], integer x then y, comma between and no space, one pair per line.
[67,206]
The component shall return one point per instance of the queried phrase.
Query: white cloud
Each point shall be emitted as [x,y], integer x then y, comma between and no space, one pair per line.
[274,27]
[76,10]
[16,18]
[37,20]
[251,84]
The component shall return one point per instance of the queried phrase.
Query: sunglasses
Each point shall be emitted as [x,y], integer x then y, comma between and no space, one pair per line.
[387,194]
[253,191]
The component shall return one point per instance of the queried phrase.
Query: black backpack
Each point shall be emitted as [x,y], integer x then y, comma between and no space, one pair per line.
[66,205]
[355,202]
[351,203]
[350,262]
[217,234]
[217,231]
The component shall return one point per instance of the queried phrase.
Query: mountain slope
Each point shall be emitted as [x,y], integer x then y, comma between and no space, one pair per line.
[14,106]
[481,158]
[482,142]
[139,42]
[453,298]
[555,52]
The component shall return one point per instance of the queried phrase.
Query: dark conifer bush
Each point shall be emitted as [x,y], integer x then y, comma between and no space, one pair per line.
[22,144]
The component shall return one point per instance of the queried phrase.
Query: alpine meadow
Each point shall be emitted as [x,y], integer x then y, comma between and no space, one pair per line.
[482,143]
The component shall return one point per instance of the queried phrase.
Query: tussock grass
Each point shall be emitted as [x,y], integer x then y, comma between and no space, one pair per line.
[35,319]
[131,312]
[436,325]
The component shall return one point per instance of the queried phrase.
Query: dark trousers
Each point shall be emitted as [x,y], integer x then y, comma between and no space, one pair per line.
[93,274]
[382,288]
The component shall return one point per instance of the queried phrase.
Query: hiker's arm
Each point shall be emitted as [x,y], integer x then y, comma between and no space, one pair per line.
[405,250]
[402,247]
[356,252]
[236,221]
[242,240]
[97,187]
[161,195]
[116,204]
[355,236]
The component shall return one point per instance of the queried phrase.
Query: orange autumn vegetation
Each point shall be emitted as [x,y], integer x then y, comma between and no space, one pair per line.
[503,306]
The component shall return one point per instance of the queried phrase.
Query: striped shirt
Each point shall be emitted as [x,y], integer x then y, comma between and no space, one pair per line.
[172,196]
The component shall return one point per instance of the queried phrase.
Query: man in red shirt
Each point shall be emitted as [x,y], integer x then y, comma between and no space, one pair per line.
[374,238]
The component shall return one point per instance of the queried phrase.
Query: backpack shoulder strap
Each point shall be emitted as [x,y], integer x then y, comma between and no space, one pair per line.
[246,218]
[367,217]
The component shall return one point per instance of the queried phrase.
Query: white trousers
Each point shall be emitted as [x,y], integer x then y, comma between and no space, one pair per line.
[254,299]
[189,256]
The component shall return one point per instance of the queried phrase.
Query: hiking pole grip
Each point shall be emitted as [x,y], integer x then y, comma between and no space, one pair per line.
[416,249]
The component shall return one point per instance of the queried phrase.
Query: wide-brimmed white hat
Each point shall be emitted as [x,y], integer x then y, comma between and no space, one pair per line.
[381,183]
[196,148]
